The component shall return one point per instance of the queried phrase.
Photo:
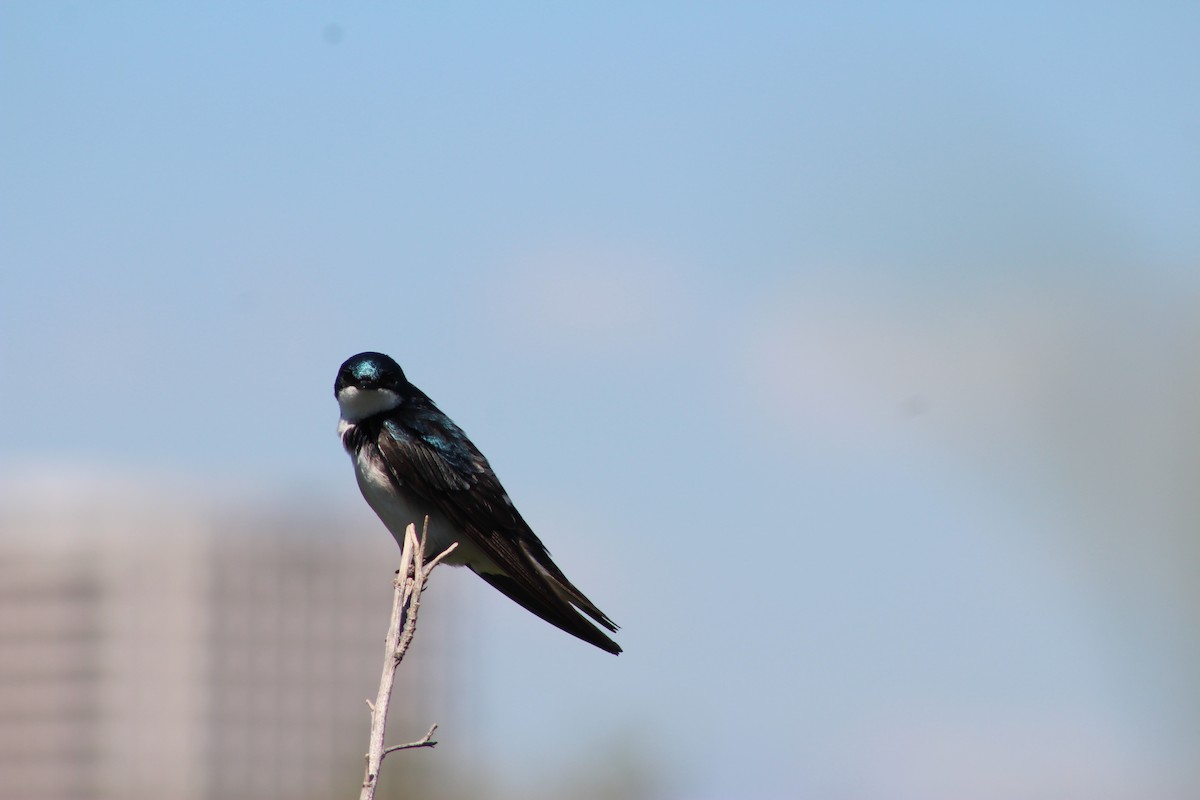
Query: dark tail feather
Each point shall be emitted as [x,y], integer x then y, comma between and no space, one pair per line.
[561,614]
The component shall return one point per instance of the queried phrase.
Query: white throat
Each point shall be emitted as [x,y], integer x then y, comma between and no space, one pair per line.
[358,404]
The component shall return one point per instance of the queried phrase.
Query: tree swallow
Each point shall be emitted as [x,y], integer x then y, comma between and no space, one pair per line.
[412,461]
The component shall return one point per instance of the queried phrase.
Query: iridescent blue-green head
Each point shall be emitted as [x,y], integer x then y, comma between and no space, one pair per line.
[367,384]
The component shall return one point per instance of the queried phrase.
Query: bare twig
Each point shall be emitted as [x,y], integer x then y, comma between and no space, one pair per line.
[406,601]
[424,741]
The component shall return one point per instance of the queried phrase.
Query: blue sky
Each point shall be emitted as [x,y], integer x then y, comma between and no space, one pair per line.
[837,350]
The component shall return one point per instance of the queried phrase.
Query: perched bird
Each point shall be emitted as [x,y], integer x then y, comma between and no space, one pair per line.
[411,460]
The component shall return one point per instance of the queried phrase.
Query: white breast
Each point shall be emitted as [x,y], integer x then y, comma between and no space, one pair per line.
[398,509]
[358,404]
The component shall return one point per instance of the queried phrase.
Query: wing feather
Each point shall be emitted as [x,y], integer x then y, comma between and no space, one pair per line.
[430,456]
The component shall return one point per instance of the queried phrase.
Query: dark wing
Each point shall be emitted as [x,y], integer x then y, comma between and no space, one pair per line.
[431,457]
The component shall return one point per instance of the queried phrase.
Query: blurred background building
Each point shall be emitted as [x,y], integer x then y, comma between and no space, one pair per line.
[155,647]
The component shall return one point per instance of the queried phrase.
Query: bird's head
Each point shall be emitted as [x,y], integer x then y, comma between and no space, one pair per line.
[368,384]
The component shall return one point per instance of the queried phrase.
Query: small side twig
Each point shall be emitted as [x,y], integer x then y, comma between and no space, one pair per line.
[406,601]
[424,741]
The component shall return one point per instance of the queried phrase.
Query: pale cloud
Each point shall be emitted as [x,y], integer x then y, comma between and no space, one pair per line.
[1071,408]
[601,298]
[853,365]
